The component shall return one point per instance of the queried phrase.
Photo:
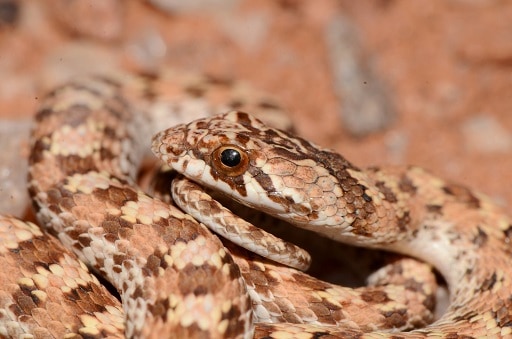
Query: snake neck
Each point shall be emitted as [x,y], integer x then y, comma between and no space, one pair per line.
[456,230]
[348,204]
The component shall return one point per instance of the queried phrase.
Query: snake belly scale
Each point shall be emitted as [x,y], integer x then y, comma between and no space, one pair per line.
[175,279]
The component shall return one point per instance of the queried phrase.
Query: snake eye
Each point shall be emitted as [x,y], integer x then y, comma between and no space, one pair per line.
[230,160]
[230,157]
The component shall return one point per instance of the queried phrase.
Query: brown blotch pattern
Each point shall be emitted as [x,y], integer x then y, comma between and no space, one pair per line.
[406,185]
[106,209]
[388,193]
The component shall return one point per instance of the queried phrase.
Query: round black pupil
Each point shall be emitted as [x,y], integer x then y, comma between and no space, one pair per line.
[230,157]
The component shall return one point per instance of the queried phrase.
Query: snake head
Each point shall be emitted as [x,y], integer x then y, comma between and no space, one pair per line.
[258,166]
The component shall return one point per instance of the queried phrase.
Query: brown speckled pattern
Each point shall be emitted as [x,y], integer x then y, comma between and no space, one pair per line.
[174,278]
[172,274]
[406,210]
[43,286]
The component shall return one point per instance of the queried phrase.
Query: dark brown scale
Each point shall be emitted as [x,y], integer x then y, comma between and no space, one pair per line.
[375,297]
[369,208]
[430,302]
[395,318]
[112,133]
[193,280]
[323,312]
[27,289]
[244,119]
[360,227]
[357,190]
[349,197]
[137,293]
[119,258]
[38,250]
[289,315]
[403,222]
[233,312]
[272,137]
[234,271]
[159,308]
[359,203]
[242,138]
[109,237]
[111,225]
[388,193]
[117,196]
[199,125]
[74,164]
[58,194]
[84,296]
[39,148]
[25,302]
[82,241]
[347,182]
[406,185]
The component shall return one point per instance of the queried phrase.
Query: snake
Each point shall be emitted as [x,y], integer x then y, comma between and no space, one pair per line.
[109,260]
[405,210]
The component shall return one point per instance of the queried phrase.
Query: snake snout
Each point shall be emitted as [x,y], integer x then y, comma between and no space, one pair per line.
[170,144]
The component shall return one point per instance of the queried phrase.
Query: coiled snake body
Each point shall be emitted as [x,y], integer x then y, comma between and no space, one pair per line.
[405,210]
[175,279]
